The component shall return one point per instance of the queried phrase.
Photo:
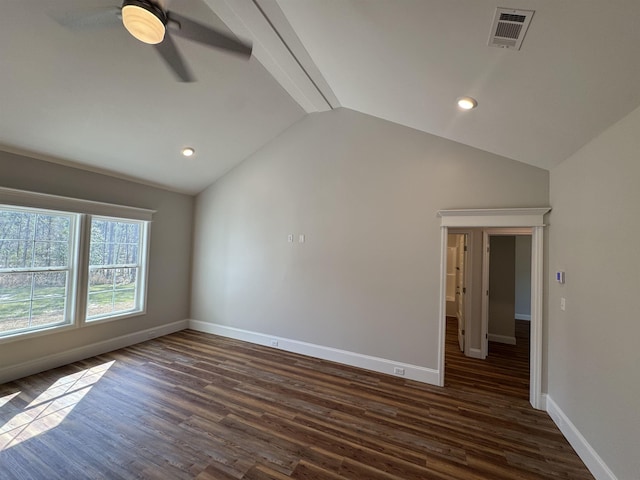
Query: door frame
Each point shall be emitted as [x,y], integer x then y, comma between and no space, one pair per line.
[468,279]
[496,218]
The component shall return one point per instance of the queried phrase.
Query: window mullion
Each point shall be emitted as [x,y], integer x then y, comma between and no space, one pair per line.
[82,274]
[33,281]
[113,289]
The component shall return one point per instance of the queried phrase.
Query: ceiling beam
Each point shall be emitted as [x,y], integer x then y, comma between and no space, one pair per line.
[278,49]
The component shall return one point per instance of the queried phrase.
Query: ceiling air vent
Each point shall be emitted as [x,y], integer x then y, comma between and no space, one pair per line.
[509,27]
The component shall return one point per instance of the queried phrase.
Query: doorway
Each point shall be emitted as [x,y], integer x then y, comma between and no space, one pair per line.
[486,219]
[458,282]
[497,354]
[500,284]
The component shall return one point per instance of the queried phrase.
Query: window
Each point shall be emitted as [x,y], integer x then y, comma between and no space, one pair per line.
[67,263]
[114,267]
[36,269]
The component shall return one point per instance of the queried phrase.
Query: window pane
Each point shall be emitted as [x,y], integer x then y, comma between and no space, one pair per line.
[114,242]
[96,254]
[111,290]
[51,254]
[125,278]
[14,316]
[100,304]
[16,225]
[52,228]
[114,285]
[16,254]
[49,284]
[47,311]
[32,239]
[15,287]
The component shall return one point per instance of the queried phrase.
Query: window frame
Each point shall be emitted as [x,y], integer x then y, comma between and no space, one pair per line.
[72,269]
[82,211]
[143,262]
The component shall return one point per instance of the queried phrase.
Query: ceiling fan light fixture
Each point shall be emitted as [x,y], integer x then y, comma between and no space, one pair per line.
[467,103]
[144,20]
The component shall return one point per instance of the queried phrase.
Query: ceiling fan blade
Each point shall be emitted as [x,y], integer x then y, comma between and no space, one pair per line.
[88,18]
[192,30]
[169,53]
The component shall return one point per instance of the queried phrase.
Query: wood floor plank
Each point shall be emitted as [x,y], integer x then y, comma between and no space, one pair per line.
[192,405]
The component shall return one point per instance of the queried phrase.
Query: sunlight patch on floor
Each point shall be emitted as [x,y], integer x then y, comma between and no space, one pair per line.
[49,408]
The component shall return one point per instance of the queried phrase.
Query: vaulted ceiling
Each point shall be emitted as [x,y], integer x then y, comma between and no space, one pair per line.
[99,99]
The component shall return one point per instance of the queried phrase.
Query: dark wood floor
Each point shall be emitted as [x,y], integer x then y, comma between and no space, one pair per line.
[191,405]
[505,370]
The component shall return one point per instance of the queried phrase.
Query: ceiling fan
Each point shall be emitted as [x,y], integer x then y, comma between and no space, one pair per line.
[149,23]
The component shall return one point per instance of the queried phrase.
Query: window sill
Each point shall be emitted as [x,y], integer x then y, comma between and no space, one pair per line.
[14,337]
[111,318]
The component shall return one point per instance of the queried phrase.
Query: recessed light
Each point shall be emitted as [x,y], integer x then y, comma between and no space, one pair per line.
[467,103]
[188,151]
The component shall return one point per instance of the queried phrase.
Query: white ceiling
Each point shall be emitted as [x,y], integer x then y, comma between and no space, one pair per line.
[102,100]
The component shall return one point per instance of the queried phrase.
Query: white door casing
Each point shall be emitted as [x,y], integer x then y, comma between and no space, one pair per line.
[502,218]
[461,289]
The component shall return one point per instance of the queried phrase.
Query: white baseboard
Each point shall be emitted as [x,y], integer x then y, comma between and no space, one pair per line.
[475,353]
[13,372]
[591,459]
[543,402]
[382,365]
[502,339]
[522,316]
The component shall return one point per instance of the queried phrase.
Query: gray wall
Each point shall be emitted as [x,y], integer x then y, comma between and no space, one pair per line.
[169,257]
[502,285]
[594,359]
[365,192]
[523,276]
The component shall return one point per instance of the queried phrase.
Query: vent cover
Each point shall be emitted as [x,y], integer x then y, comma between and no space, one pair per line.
[509,27]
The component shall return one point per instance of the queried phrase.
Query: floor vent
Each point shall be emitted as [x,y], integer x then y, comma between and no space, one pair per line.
[509,27]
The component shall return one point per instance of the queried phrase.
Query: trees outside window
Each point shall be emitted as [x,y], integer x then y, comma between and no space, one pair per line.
[114,267]
[36,266]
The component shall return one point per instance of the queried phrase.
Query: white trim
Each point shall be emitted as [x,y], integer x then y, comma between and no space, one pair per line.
[522,316]
[475,353]
[276,48]
[468,280]
[543,401]
[531,218]
[442,327]
[377,364]
[494,217]
[13,372]
[24,198]
[484,322]
[585,451]
[140,307]
[502,339]
[25,334]
[535,341]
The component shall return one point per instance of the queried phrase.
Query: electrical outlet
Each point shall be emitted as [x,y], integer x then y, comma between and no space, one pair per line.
[398,371]
[274,343]
[563,304]
[290,238]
